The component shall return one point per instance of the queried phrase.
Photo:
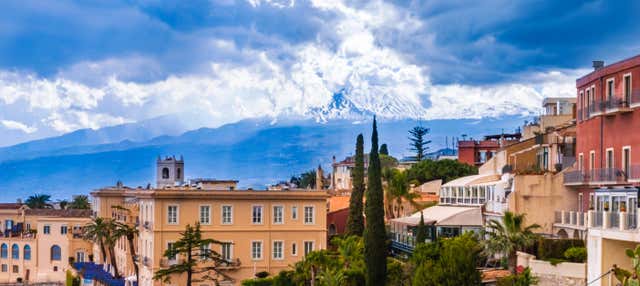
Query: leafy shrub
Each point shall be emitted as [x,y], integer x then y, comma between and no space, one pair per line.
[556,261]
[262,274]
[555,248]
[284,278]
[258,282]
[522,279]
[576,254]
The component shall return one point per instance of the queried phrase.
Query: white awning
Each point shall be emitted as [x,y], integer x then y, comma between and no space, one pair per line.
[445,215]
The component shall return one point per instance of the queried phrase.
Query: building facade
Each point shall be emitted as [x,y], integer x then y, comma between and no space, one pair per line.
[266,230]
[341,175]
[477,152]
[38,245]
[607,171]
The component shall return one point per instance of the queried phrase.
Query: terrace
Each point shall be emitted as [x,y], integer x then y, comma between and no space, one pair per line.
[600,176]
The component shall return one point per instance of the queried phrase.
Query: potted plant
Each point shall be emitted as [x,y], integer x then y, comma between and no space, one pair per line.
[606,206]
[623,206]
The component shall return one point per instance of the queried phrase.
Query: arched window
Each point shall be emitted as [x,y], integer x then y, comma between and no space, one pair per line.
[27,252]
[4,251]
[165,173]
[56,253]
[178,173]
[15,251]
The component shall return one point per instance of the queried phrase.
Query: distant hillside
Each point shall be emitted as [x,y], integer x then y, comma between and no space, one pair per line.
[256,152]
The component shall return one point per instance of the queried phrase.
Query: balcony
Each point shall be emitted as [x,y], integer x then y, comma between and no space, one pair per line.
[615,105]
[165,262]
[575,178]
[606,176]
[635,98]
[634,174]
[571,219]
[608,220]
[594,109]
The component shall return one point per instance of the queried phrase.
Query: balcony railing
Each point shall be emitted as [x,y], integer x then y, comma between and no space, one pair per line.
[558,217]
[614,220]
[635,97]
[575,178]
[615,104]
[634,173]
[597,219]
[632,221]
[607,175]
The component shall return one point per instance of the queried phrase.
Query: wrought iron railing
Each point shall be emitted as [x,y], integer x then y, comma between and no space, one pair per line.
[575,177]
[558,217]
[607,175]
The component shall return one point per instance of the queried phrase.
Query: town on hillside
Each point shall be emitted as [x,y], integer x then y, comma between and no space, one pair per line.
[553,203]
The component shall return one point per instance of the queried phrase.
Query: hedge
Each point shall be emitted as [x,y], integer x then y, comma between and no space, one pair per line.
[555,248]
[258,282]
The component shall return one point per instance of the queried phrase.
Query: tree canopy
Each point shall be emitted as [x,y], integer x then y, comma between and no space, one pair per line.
[355,220]
[447,170]
[39,201]
[418,141]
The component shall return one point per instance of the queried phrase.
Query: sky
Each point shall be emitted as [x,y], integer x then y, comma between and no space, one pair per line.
[68,65]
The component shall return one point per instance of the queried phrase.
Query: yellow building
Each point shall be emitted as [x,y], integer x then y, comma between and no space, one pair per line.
[268,230]
[37,245]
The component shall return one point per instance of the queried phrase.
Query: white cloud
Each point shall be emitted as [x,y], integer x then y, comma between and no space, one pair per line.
[345,56]
[15,125]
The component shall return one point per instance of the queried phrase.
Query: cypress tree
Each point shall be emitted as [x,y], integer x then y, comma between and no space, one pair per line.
[355,221]
[421,233]
[384,150]
[375,248]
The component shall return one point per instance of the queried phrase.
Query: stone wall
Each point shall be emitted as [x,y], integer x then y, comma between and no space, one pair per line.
[561,274]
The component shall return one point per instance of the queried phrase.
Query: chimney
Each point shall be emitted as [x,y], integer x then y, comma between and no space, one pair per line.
[598,65]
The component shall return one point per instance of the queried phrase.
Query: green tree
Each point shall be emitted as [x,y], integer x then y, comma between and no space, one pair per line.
[39,201]
[198,258]
[453,262]
[398,191]
[351,251]
[63,204]
[308,179]
[508,236]
[110,242]
[418,141]
[130,232]
[421,233]
[375,234]
[355,220]
[80,202]
[332,277]
[97,231]
[521,279]
[446,170]
[384,150]
[388,162]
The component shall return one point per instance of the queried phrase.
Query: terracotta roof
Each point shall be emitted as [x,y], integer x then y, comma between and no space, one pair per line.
[58,213]
[10,206]
[494,274]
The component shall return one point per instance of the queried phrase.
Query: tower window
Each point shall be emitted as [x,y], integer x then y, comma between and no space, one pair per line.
[165,173]
[178,173]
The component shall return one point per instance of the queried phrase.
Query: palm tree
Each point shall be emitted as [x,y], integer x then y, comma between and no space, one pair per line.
[129,232]
[97,231]
[80,202]
[110,242]
[39,201]
[398,191]
[351,250]
[508,236]
[332,277]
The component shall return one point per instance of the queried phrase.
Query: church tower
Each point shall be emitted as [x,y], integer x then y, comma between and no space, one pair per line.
[169,171]
[319,179]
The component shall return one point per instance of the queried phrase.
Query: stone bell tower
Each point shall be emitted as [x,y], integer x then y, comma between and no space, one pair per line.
[169,171]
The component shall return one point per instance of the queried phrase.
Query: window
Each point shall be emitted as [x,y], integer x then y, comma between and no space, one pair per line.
[592,160]
[626,160]
[4,251]
[80,256]
[178,173]
[204,251]
[609,89]
[609,158]
[56,253]
[227,214]
[165,173]
[277,249]
[627,88]
[46,229]
[27,252]
[15,269]
[257,214]
[55,269]
[64,229]
[308,247]
[5,268]
[580,161]
[170,247]
[580,202]
[278,214]
[294,212]
[294,249]
[308,215]
[205,214]
[256,250]
[172,214]
[227,251]
[15,251]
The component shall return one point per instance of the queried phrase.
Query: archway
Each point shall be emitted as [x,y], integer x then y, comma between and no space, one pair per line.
[563,234]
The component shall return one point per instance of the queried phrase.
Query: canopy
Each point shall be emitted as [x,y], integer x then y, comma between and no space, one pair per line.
[445,216]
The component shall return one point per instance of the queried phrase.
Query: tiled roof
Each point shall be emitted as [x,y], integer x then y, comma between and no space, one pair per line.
[59,213]
[10,206]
